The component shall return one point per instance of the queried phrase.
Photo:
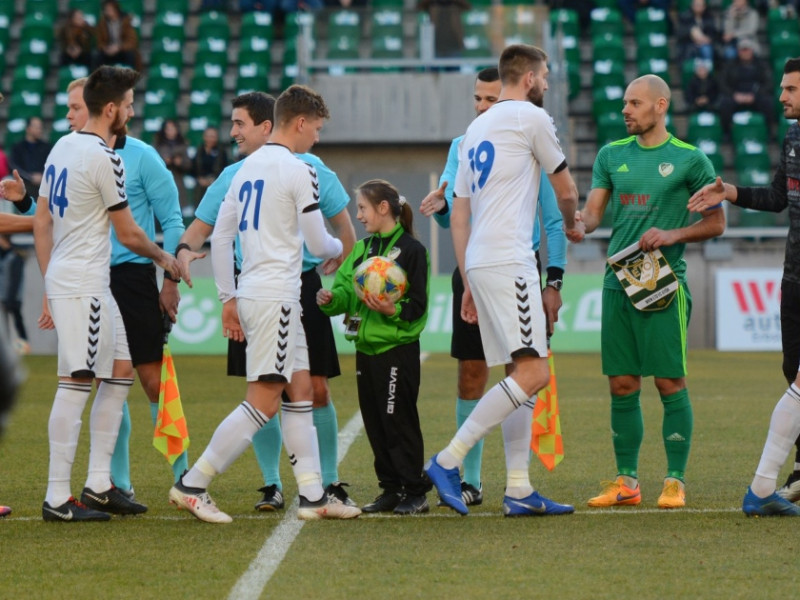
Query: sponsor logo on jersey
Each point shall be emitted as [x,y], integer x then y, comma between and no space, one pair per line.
[623,169]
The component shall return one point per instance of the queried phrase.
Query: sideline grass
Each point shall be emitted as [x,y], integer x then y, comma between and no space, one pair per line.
[712,551]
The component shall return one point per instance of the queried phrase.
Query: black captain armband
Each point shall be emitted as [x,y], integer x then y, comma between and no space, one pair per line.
[181,246]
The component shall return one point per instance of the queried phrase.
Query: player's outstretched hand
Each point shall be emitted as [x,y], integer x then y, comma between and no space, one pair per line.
[231,328]
[169,298]
[385,306]
[434,201]
[708,196]
[185,258]
[329,266]
[324,297]
[13,189]
[576,233]
[45,320]
[468,311]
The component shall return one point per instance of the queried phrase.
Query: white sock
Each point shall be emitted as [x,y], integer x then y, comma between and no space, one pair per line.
[230,440]
[64,428]
[784,427]
[517,445]
[491,410]
[104,423]
[300,440]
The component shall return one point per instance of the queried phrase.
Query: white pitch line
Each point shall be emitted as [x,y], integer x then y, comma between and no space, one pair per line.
[272,553]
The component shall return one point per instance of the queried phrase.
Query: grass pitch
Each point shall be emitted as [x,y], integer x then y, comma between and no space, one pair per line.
[709,550]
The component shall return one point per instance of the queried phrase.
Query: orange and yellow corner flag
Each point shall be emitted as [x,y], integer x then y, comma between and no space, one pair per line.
[546,439]
[171,435]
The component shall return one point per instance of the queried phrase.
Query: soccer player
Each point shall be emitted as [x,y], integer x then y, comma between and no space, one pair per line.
[782,193]
[646,180]
[151,193]
[265,308]
[82,195]
[466,345]
[501,159]
[252,120]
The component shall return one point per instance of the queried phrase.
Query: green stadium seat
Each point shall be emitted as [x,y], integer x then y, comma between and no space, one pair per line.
[59,129]
[711,148]
[255,47]
[520,23]
[651,20]
[748,125]
[168,65]
[161,108]
[157,82]
[751,154]
[476,21]
[289,68]
[213,25]
[212,52]
[252,77]
[779,20]
[387,22]
[256,24]
[608,47]
[8,10]
[476,46]
[568,21]
[135,8]
[655,66]
[344,23]
[652,45]
[21,107]
[47,8]
[574,78]
[29,55]
[704,126]
[181,7]
[606,20]
[608,73]
[294,21]
[205,110]
[784,45]
[607,100]
[386,47]
[67,75]
[399,4]
[169,26]
[342,47]
[610,127]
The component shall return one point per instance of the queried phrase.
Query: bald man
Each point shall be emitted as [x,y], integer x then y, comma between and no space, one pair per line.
[645,180]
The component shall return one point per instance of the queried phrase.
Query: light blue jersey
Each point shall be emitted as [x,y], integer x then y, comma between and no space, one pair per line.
[151,193]
[548,208]
[332,200]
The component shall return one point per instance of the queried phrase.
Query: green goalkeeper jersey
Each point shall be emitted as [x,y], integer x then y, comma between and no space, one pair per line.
[650,187]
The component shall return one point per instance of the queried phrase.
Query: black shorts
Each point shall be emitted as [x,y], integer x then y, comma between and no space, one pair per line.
[466,342]
[322,357]
[135,290]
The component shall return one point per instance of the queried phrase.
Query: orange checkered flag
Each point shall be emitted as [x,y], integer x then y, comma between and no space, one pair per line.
[171,434]
[546,439]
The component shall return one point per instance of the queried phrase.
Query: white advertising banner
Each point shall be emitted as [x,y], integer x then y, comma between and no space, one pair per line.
[748,309]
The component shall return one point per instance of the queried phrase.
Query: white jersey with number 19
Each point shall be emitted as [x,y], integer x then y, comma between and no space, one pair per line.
[83,179]
[501,160]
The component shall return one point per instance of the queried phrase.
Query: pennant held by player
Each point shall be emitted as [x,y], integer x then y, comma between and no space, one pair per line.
[171,435]
[546,439]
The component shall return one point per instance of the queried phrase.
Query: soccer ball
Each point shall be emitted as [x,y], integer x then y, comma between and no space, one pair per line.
[382,277]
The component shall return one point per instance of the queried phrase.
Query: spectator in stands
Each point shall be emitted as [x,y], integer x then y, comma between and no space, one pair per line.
[171,146]
[208,162]
[117,40]
[745,85]
[740,22]
[76,37]
[29,155]
[446,18]
[697,32]
[630,7]
[702,90]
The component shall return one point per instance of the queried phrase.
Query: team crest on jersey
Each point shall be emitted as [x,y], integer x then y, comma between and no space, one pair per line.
[666,169]
[393,254]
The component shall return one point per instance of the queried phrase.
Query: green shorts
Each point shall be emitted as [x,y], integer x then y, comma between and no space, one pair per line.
[650,343]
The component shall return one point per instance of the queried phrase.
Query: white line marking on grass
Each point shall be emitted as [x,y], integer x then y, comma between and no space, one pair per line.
[272,553]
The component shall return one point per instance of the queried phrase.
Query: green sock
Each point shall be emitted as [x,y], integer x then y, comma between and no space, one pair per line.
[328,437]
[267,446]
[677,431]
[181,464]
[627,431]
[474,458]
[120,460]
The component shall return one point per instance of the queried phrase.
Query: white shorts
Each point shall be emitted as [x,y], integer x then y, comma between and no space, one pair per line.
[276,341]
[91,335]
[510,314]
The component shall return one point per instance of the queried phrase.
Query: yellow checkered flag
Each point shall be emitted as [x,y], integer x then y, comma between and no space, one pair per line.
[546,439]
[171,434]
